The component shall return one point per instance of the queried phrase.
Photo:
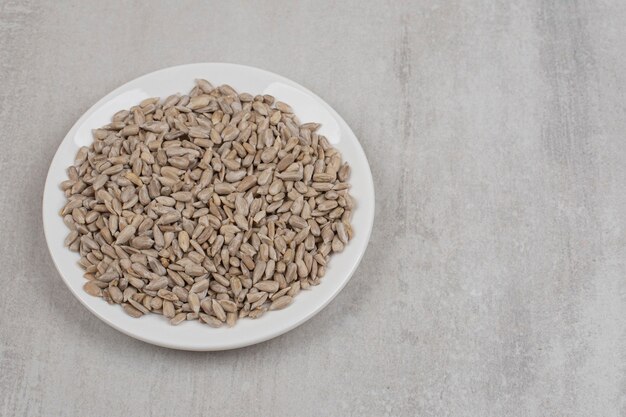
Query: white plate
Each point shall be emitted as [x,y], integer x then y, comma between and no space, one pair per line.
[194,335]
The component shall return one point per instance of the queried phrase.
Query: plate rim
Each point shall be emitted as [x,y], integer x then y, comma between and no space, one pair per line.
[50,187]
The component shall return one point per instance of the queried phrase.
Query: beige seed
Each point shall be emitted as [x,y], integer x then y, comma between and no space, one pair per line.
[264,177]
[256,296]
[136,282]
[183,196]
[71,238]
[183,240]
[337,244]
[194,270]
[258,303]
[200,286]
[168,309]
[228,306]
[269,154]
[210,320]
[247,183]
[302,269]
[125,235]
[194,302]
[259,270]
[131,311]
[169,218]
[116,294]
[291,175]
[297,222]
[231,319]
[344,172]
[241,221]
[281,302]
[157,284]
[169,295]
[178,318]
[285,162]
[218,311]
[291,273]
[177,293]
[138,306]
[235,285]
[295,289]
[92,289]
[341,232]
[267,286]
[205,305]
[323,177]
[327,205]
[283,107]
[156,303]
[224,188]
[229,133]
[255,314]
[141,242]
[198,102]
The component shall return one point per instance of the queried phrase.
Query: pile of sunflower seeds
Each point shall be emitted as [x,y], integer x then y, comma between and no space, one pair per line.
[212,206]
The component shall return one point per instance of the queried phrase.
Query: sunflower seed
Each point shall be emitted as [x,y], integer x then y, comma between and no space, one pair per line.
[92,289]
[267,286]
[125,235]
[116,294]
[281,302]
[131,311]
[168,309]
[218,310]
[210,320]
[178,318]
[194,302]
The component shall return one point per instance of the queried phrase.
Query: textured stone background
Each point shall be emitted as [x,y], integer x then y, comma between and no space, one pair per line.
[494,283]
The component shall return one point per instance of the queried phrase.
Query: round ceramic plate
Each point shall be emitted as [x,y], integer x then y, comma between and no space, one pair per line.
[193,335]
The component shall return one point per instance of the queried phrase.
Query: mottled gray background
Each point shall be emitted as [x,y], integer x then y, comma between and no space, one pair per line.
[494,283]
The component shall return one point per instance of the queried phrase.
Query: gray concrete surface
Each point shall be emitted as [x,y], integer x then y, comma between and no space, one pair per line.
[494,284]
